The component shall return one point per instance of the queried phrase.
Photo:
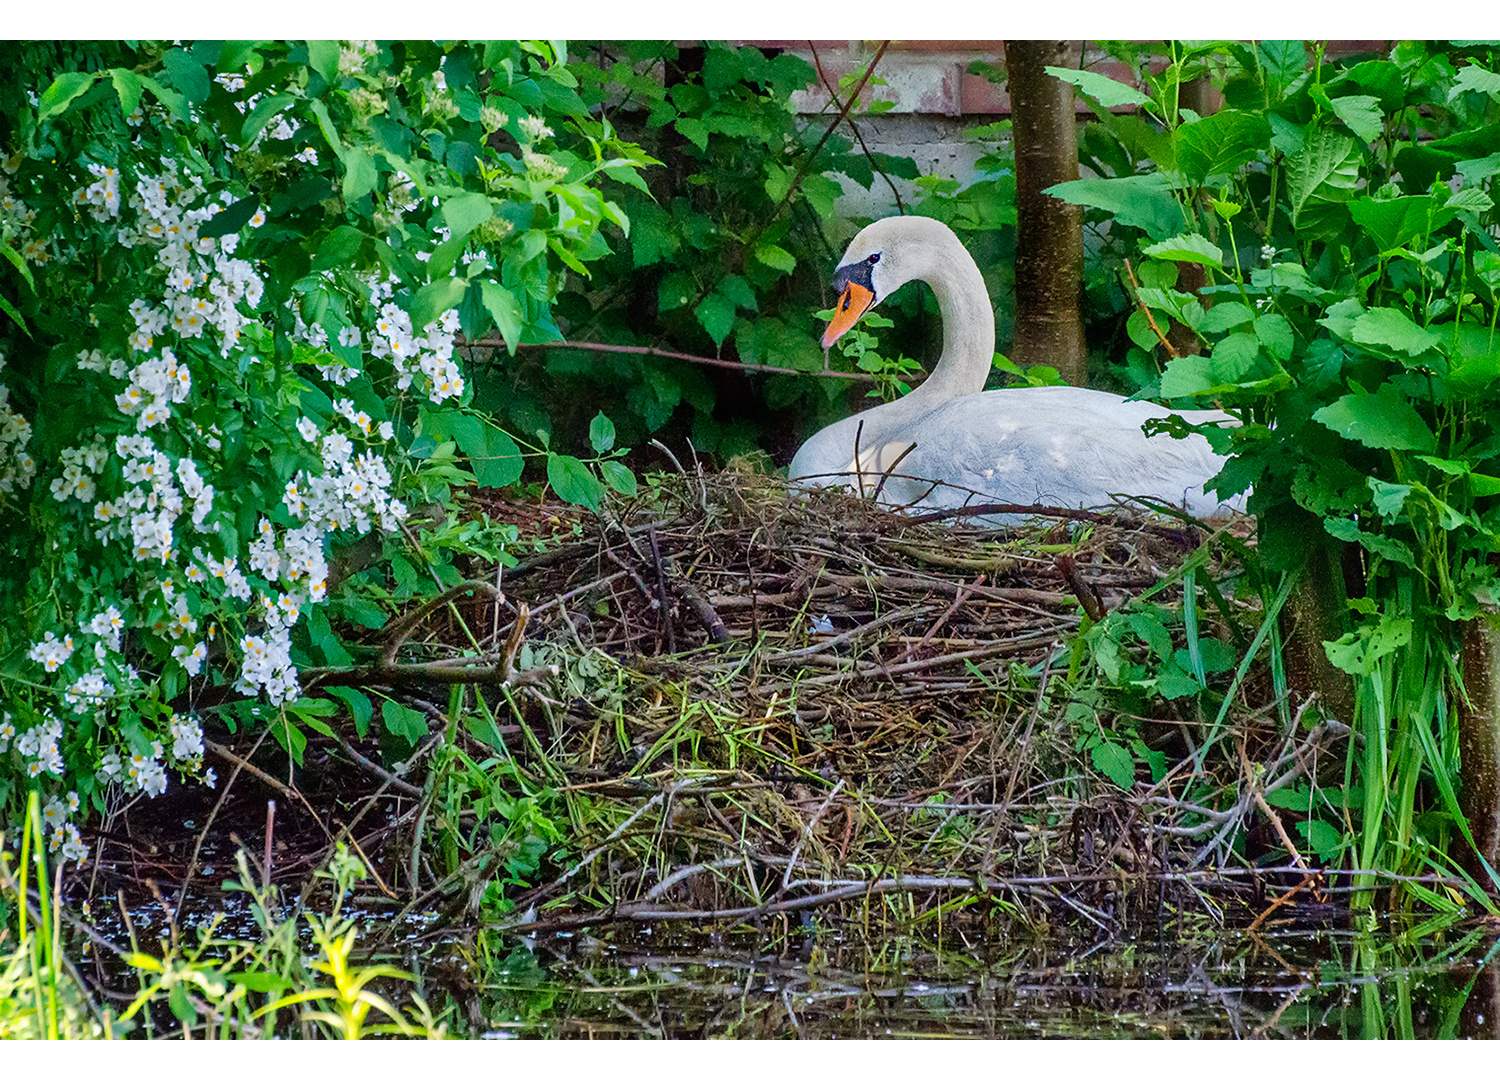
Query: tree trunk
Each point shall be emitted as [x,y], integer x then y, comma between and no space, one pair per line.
[1049,232]
[1314,613]
[1479,742]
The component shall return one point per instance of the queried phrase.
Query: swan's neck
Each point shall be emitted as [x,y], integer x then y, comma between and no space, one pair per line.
[968,330]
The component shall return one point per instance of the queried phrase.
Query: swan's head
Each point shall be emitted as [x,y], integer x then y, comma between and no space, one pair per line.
[883,257]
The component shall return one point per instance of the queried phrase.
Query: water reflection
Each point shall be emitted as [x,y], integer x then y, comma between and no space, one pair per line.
[1435,980]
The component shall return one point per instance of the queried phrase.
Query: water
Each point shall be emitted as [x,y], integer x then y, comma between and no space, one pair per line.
[1293,983]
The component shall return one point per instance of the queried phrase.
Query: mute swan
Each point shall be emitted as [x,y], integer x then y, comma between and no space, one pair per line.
[1054,445]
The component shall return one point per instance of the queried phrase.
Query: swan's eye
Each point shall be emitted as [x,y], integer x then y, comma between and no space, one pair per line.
[873,259]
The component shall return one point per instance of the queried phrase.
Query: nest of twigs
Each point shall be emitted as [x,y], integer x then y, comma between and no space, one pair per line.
[741,703]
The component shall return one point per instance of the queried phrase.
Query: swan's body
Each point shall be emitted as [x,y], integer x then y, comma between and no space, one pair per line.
[1052,445]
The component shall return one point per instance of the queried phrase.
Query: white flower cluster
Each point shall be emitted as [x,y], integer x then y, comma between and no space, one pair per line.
[17,467]
[38,745]
[147,773]
[354,489]
[205,283]
[155,386]
[63,835]
[431,353]
[102,197]
[16,219]
[148,510]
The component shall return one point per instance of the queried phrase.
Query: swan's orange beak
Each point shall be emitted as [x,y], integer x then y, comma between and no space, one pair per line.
[854,302]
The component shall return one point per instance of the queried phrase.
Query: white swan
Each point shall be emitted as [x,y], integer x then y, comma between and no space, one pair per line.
[1053,445]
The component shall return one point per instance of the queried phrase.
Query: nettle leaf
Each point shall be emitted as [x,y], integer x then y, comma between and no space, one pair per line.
[715,313]
[1106,91]
[1474,77]
[1387,548]
[1360,650]
[1226,316]
[1385,420]
[1361,114]
[601,433]
[359,174]
[738,289]
[1143,202]
[1220,143]
[1115,762]
[573,482]
[1325,169]
[1275,333]
[1391,223]
[1394,330]
[1189,247]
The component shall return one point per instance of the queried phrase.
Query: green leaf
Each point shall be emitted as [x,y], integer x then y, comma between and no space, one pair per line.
[465,213]
[777,258]
[1115,762]
[1361,114]
[188,75]
[601,433]
[325,125]
[738,289]
[65,89]
[1189,247]
[129,86]
[407,723]
[1226,316]
[323,56]
[1275,333]
[435,298]
[1220,143]
[694,130]
[338,248]
[261,115]
[1394,330]
[231,219]
[1392,223]
[358,705]
[1473,77]
[715,313]
[1384,420]
[506,310]
[1108,92]
[618,476]
[1143,202]
[1326,168]
[176,103]
[573,482]
[359,174]
[1326,841]
[1358,651]
[498,463]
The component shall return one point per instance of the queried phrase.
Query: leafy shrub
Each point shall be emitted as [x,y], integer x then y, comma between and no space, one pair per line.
[235,276]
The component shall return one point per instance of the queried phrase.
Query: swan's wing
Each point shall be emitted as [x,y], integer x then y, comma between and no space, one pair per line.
[1065,447]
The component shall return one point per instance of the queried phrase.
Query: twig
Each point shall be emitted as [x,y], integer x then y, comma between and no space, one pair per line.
[647,350]
[786,878]
[832,93]
[1142,304]
[1093,606]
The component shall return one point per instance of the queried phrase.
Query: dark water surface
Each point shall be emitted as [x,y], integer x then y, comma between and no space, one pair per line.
[1288,983]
